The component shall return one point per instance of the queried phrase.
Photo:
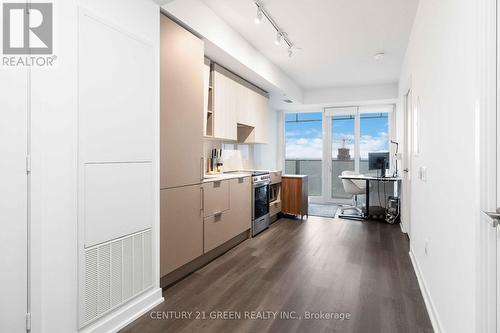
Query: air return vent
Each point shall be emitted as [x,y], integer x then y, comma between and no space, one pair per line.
[114,272]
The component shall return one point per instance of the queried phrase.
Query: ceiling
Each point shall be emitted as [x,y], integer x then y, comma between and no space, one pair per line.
[338,38]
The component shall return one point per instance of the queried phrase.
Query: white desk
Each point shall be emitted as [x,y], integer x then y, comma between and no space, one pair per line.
[368,179]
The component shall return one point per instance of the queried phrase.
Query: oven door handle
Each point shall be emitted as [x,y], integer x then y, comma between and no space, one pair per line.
[259,184]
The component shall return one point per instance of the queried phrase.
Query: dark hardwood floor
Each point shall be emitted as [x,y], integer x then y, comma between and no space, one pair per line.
[318,265]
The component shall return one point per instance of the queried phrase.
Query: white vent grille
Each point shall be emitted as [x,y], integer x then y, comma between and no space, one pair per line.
[114,272]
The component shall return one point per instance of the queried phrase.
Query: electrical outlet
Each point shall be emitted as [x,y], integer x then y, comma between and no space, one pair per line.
[426,247]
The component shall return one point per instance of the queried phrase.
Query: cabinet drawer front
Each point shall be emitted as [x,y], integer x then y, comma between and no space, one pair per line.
[217,230]
[241,204]
[274,207]
[215,197]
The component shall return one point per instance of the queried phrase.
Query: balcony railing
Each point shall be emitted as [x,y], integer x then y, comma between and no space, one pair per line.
[312,168]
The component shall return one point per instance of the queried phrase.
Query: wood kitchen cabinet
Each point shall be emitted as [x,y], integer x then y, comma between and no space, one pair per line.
[294,195]
[181,227]
[181,104]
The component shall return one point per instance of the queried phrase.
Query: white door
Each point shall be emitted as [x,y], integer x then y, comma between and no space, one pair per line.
[13,200]
[406,174]
[488,285]
[340,151]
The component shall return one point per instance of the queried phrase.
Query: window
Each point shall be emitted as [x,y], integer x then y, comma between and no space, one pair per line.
[374,129]
[304,147]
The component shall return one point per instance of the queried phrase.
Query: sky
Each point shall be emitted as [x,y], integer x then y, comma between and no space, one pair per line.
[304,139]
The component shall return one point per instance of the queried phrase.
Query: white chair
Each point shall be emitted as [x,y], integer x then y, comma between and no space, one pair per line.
[353,187]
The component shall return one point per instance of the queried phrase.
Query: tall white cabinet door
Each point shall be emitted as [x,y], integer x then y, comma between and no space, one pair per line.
[262,119]
[13,202]
[181,103]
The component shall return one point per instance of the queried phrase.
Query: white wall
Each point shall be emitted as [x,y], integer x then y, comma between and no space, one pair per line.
[351,94]
[440,66]
[54,138]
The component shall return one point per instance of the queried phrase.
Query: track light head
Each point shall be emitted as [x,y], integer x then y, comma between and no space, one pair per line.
[259,16]
[290,52]
[279,38]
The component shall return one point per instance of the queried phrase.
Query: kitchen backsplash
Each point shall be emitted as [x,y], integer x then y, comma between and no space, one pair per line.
[234,156]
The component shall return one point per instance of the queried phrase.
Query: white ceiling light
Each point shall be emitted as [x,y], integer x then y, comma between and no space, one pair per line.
[259,16]
[280,34]
[279,37]
[379,56]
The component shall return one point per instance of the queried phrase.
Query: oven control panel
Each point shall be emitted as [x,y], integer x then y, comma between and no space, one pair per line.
[261,178]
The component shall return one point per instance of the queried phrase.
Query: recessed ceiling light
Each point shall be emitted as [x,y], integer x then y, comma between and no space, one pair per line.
[379,56]
[258,18]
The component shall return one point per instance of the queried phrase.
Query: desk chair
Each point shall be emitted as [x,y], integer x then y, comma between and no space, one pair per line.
[353,187]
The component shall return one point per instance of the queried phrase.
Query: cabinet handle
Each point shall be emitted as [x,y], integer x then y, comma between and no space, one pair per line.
[202,200]
[202,167]
[217,216]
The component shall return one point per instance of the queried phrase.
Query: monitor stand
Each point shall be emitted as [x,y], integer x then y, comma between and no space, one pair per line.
[382,171]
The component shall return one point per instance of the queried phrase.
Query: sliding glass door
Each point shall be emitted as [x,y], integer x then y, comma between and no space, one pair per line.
[342,149]
[322,145]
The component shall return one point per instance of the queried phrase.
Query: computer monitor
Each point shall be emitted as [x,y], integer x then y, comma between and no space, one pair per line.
[378,161]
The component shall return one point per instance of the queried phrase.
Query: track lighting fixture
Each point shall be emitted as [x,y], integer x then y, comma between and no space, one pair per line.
[259,16]
[281,36]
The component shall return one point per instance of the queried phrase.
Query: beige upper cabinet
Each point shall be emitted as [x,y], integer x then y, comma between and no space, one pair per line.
[225,104]
[237,102]
[181,103]
[262,119]
[245,114]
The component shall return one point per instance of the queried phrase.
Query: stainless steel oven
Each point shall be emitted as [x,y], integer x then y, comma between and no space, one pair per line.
[260,202]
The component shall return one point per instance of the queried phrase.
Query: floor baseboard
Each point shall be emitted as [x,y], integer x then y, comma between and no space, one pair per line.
[429,304]
[126,314]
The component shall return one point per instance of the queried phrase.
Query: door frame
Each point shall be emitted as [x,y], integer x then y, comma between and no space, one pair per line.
[407,160]
[487,122]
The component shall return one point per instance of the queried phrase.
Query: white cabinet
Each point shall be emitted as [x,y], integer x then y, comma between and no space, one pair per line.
[225,101]
[261,119]
[237,102]
[245,113]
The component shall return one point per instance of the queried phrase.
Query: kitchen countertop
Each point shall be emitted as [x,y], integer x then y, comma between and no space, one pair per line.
[225,176]
[294,176]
